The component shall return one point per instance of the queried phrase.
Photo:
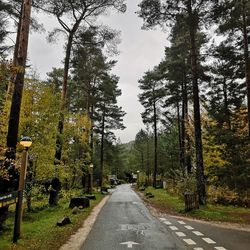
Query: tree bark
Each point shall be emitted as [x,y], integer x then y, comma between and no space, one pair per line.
[13,126]
[142,160]
[185,136]
[247,63]
[59,143]
[181,153]
[92,132]
[196,102]
[183,127]
[19,80]
[148,165]
[14,62]
[102,150]
[226,108]
[155,148]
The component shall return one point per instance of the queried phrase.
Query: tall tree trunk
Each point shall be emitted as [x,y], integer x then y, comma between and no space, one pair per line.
[142,160]
[53,199]
[92,131]
[102,150]
[247,62]
[148,165]
[14,62]
[156,145]
[183,125]
[181,153]
[197,119]
[59,142]
[21,56]
[226,108]
[185,136]
[19,80]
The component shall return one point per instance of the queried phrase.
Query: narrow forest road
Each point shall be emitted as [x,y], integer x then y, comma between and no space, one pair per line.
[125,223]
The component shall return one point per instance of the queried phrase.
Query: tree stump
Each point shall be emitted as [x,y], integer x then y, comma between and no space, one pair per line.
[81,202]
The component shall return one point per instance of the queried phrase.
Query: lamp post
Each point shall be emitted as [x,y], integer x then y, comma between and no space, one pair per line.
[26,143]
[91,166]
[138,178]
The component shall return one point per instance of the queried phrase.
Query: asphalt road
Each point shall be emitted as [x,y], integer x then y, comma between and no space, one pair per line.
[125,223]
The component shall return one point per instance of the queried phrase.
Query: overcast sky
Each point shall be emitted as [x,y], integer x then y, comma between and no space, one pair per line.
[140,50]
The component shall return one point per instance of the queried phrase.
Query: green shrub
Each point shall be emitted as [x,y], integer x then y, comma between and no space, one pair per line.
[225,196]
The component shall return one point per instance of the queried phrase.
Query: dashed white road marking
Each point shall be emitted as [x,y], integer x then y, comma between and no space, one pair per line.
[162,219]
[174,228]
[167,222]
[198,233]
[180,234]
[220,248]
[181,222]
[198,248]
[209,241]
[189,227]
[189,241]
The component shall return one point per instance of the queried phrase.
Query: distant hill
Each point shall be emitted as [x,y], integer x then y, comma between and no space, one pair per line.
[128,146]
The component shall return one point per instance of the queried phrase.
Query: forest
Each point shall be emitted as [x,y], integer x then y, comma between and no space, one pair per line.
[196,101]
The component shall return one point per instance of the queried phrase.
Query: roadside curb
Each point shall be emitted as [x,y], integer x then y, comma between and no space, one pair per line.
[76,241]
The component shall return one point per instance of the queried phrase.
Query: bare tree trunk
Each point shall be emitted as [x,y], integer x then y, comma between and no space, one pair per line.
[14,62]
[247,62]
[183,127]
[185,137]
[142,160]
[181,152]
[59,143]
[19,81]
[148,165]
[102,150]
[156,147]
[197,119]
[21,56]
[226,108]
[92,132]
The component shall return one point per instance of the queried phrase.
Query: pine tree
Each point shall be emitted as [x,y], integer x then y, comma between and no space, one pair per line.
[77,13]
[152,93]
[108,115]
[233,17]
[164,13]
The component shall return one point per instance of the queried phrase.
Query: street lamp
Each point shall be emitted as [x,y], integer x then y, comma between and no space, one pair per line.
[26,142]
[91,167]
[138,178]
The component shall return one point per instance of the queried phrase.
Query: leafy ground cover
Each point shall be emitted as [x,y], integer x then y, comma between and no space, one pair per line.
[168,203]
[39,230]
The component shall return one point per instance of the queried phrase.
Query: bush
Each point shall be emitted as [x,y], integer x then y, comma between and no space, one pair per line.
[225,196]
[181,186]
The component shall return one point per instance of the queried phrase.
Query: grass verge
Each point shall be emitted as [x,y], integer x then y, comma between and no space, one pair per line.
[39,230]
[167,203]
